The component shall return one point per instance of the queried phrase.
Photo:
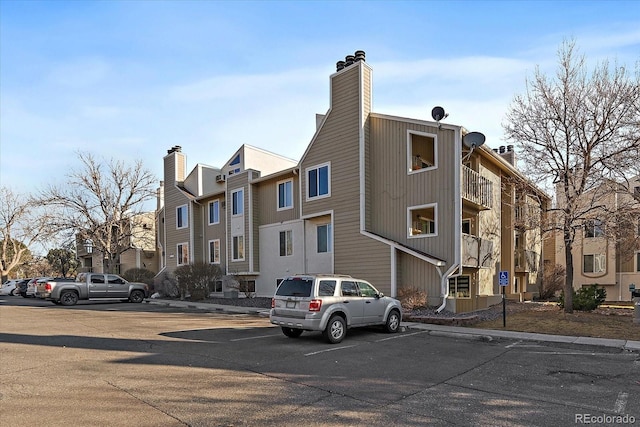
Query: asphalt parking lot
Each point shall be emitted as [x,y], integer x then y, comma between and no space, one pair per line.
[149,365]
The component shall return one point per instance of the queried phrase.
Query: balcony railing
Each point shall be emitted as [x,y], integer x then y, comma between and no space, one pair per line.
[476,252]
[476,188]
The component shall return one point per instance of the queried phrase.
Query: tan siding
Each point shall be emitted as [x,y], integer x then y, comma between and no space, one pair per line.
[394,190]
[173,198]
[415,273]
[236,182]
[198,234]
[268,207]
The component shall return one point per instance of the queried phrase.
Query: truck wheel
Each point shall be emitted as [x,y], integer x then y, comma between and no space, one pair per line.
[68,298]
[136,296]
[336,329]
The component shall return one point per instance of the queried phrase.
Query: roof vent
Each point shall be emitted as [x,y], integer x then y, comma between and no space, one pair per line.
[348,60]
[359,55]
[339,65]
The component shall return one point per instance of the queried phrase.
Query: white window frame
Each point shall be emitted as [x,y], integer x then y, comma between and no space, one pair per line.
[235,248]
[455,281]
[182,253]
[317,168]
[185,217]
[214,259]
[599,263]
[288,243]
[234,205]
[284,204]
[214,204]
[329,228]
[410,169]
[637,259]
[410,209]
[595,227]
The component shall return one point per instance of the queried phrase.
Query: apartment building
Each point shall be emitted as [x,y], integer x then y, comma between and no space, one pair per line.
[400,202]
[137,244]
[606,249]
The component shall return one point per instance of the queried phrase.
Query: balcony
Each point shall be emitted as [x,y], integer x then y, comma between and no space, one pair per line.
[526,261]
[476,252]
[476,189]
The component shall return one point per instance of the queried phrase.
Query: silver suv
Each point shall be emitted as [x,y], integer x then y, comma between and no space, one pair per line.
[331,304]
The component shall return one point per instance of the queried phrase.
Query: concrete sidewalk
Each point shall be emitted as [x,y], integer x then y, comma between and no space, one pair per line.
[439,330]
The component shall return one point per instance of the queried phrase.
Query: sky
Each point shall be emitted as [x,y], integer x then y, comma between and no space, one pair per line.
[127,80]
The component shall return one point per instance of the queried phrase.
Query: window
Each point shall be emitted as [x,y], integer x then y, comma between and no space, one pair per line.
[459,287]
[366,290]
[183,254]
[217,286]
[285,195]
[466,226]
[593,228]
[286,243]
[235,161]
[594,263]
[638,228]
[324,238]
[115,280]
[181,217]
[421,150]
[238,248]
[422,221]
[237,202]
[214,251]
[318,182]
[638,261]
[214,212]
[349,289]
[326,288]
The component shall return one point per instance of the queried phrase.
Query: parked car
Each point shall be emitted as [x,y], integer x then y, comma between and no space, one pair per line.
[21,287]
[32,286]
[331,304]
[9,287]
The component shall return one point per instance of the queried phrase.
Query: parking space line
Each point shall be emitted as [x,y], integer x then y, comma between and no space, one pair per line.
[401,336]
[253,338]
[621,403]
[329,349]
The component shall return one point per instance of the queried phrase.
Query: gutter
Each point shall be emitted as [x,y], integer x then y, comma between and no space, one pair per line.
[444,285]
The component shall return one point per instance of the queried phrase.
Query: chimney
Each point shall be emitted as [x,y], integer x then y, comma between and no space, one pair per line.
[509,155]
[175,148]
[358,56]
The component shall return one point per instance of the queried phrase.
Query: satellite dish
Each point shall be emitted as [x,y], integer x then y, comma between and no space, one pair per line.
[438,113]
[473,140]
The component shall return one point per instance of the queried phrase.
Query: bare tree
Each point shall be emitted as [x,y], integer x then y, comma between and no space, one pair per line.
[20,228]
[577,131]
[103,203]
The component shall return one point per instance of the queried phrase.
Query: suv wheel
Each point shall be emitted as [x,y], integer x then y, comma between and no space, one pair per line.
[393,322]
[291,332]
[336,329]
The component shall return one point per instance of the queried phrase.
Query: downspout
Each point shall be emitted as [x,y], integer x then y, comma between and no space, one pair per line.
[444,288]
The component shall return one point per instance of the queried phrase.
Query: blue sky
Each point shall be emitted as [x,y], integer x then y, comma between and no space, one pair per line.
[130,79]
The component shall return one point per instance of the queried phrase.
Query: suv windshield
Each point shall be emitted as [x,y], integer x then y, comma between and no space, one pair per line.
[295,287]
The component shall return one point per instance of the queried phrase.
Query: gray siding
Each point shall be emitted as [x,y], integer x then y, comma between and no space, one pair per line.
[174,168]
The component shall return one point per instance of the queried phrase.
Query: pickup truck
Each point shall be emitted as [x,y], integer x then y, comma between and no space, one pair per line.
[92,286]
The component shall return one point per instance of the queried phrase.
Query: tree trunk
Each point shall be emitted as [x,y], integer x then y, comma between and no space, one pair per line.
[568,283]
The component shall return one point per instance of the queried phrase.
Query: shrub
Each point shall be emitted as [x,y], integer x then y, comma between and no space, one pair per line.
[243,284]
[197,279]
[411,298]
[166,285]
[139,275]
[588,298]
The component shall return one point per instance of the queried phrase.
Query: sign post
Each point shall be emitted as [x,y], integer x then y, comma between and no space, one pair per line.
[504,282]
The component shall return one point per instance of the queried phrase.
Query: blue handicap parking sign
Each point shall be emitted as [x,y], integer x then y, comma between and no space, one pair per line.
[504,278]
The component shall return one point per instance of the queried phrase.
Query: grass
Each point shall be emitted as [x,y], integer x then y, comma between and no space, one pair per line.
[605,322]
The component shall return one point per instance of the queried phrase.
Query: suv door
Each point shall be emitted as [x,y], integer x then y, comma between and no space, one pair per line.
[352,301]
[374,307]
[117,287]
